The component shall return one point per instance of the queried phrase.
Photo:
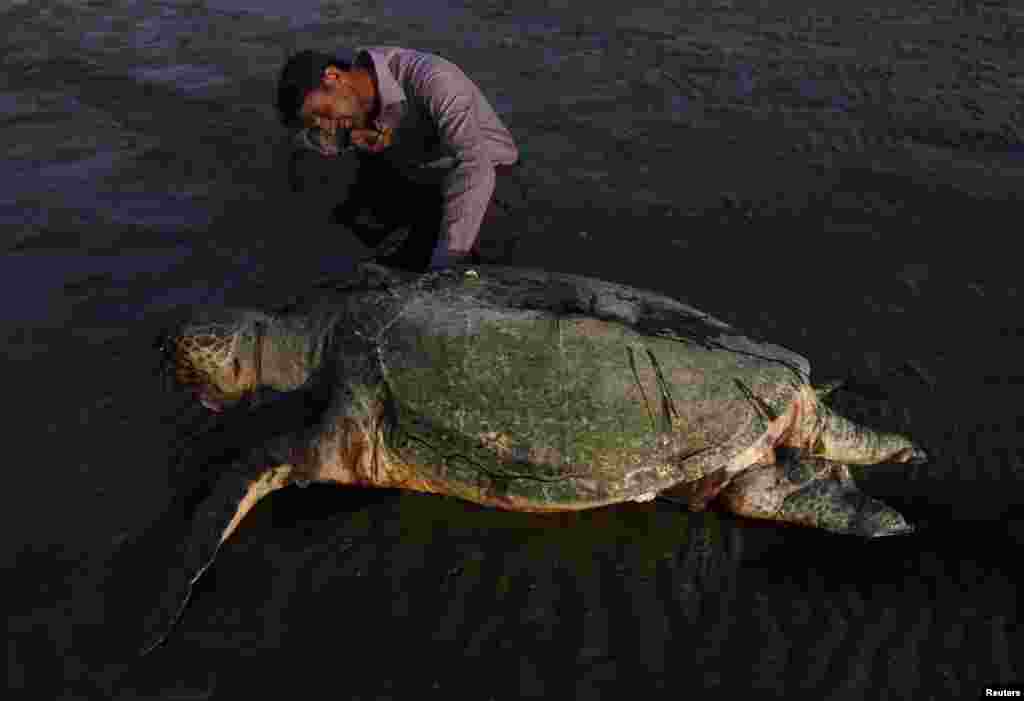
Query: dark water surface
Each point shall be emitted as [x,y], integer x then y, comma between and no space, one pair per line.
[844,179]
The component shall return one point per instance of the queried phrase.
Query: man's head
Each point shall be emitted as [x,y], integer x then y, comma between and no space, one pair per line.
[317,89]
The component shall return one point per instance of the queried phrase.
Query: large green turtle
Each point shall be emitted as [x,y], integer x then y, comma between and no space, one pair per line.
[517,389]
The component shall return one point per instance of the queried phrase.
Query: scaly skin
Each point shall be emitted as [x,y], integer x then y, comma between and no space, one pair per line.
[819,432]
[811,492]
[843,440]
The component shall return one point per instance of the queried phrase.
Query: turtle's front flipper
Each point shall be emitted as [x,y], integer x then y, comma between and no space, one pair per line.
[228,470]
[152,576]
[211,515]
[811,492]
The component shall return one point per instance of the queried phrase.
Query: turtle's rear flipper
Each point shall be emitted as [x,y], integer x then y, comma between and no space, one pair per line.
[847,441]
[811,492]
[169,557]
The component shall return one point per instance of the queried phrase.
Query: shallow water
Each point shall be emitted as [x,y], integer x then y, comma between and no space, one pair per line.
[142,174]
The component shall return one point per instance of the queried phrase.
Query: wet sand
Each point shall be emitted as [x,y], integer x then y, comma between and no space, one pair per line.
[845,180]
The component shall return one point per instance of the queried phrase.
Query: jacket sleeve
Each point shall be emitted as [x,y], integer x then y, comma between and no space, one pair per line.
[469,184]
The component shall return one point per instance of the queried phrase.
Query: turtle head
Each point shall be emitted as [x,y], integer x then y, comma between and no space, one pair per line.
[215,354]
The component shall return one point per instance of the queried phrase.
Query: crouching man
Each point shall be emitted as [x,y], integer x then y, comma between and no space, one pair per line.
[399,139]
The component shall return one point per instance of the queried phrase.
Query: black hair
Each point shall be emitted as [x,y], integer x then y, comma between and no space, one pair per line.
[302,73]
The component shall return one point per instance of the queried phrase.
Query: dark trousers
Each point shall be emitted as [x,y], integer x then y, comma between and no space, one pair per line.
[373,200]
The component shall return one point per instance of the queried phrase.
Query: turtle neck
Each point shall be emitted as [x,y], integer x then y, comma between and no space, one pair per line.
[286,353]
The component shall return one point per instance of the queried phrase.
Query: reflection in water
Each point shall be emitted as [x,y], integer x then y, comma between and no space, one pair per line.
[628,599]
[637,597]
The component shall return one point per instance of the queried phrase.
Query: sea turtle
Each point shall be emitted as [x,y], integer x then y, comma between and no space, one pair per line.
[518,389]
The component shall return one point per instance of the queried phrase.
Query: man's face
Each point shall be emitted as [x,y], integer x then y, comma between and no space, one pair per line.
[334,105]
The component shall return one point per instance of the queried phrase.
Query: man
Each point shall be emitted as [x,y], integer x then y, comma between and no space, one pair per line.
[399,137]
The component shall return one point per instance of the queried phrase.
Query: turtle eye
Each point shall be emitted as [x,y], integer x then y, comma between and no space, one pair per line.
[161,346]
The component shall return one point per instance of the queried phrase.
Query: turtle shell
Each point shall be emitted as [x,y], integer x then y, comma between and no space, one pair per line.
[541,391]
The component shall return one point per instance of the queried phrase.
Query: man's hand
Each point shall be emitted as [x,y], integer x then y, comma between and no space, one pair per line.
[372,140]
[326,144]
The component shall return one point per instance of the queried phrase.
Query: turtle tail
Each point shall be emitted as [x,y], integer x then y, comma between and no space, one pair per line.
[843,440]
